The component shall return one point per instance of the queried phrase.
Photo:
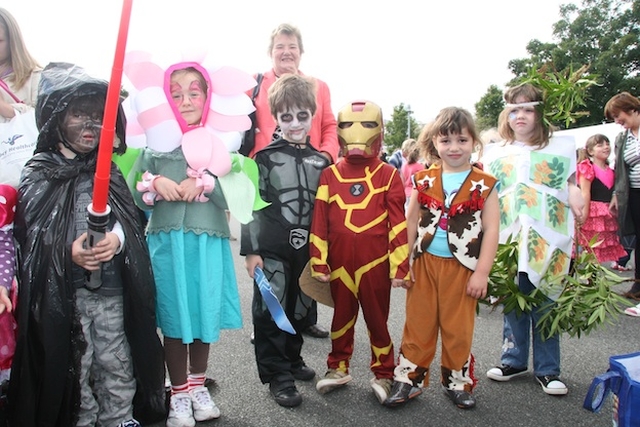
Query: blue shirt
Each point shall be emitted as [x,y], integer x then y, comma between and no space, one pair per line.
[451,183]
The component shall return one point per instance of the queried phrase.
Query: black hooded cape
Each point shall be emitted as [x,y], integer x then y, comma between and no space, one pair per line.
[44,388]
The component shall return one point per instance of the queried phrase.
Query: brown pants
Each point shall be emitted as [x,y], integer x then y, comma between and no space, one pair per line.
[438,302]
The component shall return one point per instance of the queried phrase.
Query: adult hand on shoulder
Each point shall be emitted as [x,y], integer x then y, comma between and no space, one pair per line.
[82,256]
[168,189]
[5,301]
[327,155]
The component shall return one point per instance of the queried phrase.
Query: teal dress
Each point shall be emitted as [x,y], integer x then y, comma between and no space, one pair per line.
[197,292]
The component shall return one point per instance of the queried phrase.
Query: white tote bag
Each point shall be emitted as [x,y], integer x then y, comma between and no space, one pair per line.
[18,139]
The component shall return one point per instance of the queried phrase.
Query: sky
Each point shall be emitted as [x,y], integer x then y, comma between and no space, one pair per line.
[425,54]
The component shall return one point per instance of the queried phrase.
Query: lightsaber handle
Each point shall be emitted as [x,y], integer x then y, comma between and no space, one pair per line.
[96,231]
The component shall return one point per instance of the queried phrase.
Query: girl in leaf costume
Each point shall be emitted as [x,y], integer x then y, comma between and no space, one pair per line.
[538,202]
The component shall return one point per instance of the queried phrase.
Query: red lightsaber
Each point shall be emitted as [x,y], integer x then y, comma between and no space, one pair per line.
[105,148]
[98,210]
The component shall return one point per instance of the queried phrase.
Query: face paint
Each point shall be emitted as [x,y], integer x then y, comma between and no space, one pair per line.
[189,96]
[295,124]
[523,119]
[82,132]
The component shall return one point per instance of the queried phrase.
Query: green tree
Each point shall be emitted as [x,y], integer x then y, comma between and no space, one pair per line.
[603,35]
[488,108]
[397,129]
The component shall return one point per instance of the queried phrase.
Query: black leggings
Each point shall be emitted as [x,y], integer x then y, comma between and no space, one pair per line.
[176,354]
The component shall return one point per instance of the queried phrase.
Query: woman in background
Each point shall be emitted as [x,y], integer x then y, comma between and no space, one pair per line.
[19,71]
[624,109]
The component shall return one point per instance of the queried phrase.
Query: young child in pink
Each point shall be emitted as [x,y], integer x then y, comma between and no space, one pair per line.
[596,179]
[411,166]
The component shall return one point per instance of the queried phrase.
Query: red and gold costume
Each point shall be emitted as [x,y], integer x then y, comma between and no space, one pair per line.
[359,237]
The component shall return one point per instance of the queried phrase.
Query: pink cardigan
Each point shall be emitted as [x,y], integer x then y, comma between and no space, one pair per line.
[323,128]
[407,171]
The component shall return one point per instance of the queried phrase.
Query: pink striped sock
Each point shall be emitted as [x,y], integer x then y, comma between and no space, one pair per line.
[182,388]
[196,380]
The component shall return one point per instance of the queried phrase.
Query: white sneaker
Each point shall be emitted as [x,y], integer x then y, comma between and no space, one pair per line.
[203,406]
[180,411]
[633,311]
[552,385]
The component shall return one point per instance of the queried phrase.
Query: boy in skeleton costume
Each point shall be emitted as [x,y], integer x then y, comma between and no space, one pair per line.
[277,240]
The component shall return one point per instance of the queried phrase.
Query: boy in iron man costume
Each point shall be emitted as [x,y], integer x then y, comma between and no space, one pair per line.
[359,244]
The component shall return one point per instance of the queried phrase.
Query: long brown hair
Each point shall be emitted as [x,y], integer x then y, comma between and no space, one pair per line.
[592,141]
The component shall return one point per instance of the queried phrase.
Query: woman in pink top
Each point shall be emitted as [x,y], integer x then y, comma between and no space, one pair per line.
[285,50]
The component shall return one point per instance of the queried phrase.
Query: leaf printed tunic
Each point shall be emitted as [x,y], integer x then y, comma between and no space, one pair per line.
[534,202]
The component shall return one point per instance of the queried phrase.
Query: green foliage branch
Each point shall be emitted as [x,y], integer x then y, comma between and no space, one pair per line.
[586,299]
[564,92]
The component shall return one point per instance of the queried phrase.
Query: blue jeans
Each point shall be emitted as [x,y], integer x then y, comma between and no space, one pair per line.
[517,332]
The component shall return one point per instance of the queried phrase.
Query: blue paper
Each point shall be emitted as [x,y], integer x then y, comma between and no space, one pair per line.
[273,304]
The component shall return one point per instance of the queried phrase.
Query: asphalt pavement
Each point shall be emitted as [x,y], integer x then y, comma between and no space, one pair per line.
[245,402]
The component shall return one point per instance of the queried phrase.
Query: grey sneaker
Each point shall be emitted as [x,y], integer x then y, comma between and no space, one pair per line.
[381,388]
[332,380]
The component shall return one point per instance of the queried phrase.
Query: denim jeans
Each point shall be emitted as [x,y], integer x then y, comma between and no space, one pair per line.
[517,333]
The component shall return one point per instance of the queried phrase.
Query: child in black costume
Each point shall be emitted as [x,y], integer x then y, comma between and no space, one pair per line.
[277,240]
[82,354]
